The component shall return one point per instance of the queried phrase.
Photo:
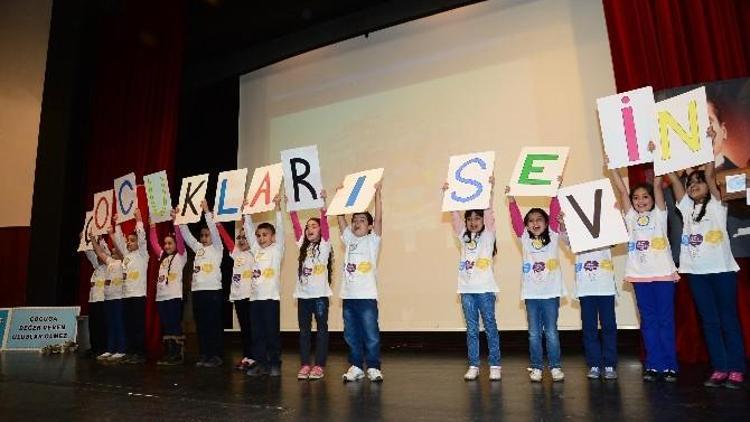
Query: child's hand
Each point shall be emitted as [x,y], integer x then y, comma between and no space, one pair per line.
[138,216]
[115,219]
[339,187]
[174,213]
[323,195]
[445,187]
[492,180]
[561,217]
[507,190]
[606,159]
[277,199]
[379,185]
[204,206]
[651,146]
[559,179]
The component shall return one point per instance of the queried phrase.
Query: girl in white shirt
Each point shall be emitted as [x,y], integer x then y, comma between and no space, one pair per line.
[706,258]
[97,317]
[112,304]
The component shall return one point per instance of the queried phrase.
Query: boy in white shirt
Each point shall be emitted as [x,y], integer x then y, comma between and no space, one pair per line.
[97,317]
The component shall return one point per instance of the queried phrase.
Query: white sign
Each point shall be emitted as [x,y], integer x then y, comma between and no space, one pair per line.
[35,328]
[591,217]
[681,135]
[263,188]
[192,193]
[126,197]
[302,181]
[230,194]
[469,181]
[537,171]
[157,195]
[628,122]
[85,244]
[102,212]
[355,196]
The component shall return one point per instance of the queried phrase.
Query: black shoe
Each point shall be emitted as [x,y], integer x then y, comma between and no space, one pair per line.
[650,375]
[201,361]
[275,371]
[257,371]
[669,375]
[213,362]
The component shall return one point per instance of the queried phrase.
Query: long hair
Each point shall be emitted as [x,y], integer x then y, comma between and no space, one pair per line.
[467,234]
[165,255]
[697,177]
[305,247]
[544,236]
[648,187]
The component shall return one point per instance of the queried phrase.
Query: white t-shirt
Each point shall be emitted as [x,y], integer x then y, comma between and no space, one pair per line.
[475,270]
[360,266]
[169,283]
[541,275]
[313,282]
[207,262]
[134,264]
[649,254]
[595,273]
[98,278]
[242,274]
[113,285]
[266,282]
[704,245]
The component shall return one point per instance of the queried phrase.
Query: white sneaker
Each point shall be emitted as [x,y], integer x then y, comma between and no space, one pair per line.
[535,375]
[557,374]
[116,356]
[471,374]
[374,374]
[104,356]
[353,374]
[495,373]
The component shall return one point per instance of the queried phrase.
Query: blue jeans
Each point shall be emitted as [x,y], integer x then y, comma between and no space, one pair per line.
[542,318]
[306,309]
[265,325]
[474,305]
[115,326]
[242,308]
[656,306]
[170,316]
[596,310]
[207,305]
[715,297]
[361,332]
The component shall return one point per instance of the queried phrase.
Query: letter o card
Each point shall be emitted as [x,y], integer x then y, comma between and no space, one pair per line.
[469,181]
[537,170]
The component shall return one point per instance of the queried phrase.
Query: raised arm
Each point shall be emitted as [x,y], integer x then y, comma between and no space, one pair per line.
[180,242]
[280,231]
[711,180]
[296,226]
[489,213]
[325,231]
[659,194]
[188,237]
[677,188]
[215,238]
[622,190]
[154,240]
[378,225]
[140,233]
[118,239]
[228,241]
[98,249]
[554,214]
[516,220]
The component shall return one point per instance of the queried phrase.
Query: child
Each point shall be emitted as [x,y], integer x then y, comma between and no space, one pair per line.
[359,290]
[542,283]
[706,258]
[239,294]
[169,294]
[135,269]
[476,284]
[206,290]
[595,289]
[313,289]
[652,272]
[112,304]
[97,317]
[268,250]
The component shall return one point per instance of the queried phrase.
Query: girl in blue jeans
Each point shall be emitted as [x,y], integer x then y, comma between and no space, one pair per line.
[476,284]
[706,258]
[542,283]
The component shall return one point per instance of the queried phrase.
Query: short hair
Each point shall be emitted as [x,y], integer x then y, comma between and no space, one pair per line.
[367,215]
[267,226]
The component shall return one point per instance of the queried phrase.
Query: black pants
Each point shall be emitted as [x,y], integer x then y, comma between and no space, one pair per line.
[208,321]
[170,316]
[97,327]
[264,320]
[306,308]
[134,314]
[242,307]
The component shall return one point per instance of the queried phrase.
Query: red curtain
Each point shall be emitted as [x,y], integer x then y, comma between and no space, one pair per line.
[135,99]
[14,260]
[671,43]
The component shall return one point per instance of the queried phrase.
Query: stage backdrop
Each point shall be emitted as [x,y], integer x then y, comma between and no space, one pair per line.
[495,76]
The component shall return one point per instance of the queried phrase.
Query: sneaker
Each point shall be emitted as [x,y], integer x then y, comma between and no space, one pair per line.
[610,373]
[735,380]
[201,361]
[717,379]
[669,375]
[594,373]
[304,372]
[117,357]
[316,373]
[257,371]
[557,374]
[495,373]
[353,374]
[374,374]
[535,375]
[650,375]
[244,364]
[275,371]
[104,356]
[472,373]
[213,362]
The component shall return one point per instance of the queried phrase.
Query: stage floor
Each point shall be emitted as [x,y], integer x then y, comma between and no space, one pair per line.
[418,386]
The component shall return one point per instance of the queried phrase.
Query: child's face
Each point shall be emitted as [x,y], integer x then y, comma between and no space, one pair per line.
[642,200]
[536,224]
[697,189]
[474,223]
[312,231]
[265,237]
[170,246]
[242,241]
[360,225]
[132,243]
[205,237]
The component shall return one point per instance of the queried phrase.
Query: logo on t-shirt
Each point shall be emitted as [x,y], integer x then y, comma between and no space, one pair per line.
[714,236]
[643,220]
[537,244]
[692,240]
[538,267]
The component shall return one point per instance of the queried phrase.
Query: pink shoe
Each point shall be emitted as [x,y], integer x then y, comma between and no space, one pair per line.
[316,373]
[735,380]
[304,372]
[717,379]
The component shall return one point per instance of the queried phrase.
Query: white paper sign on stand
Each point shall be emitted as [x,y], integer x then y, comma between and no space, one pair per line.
[302,180]
[537,170]
[230,194]
[357,193]
[192,193]
[469,181]
[628,122]
[263,188]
